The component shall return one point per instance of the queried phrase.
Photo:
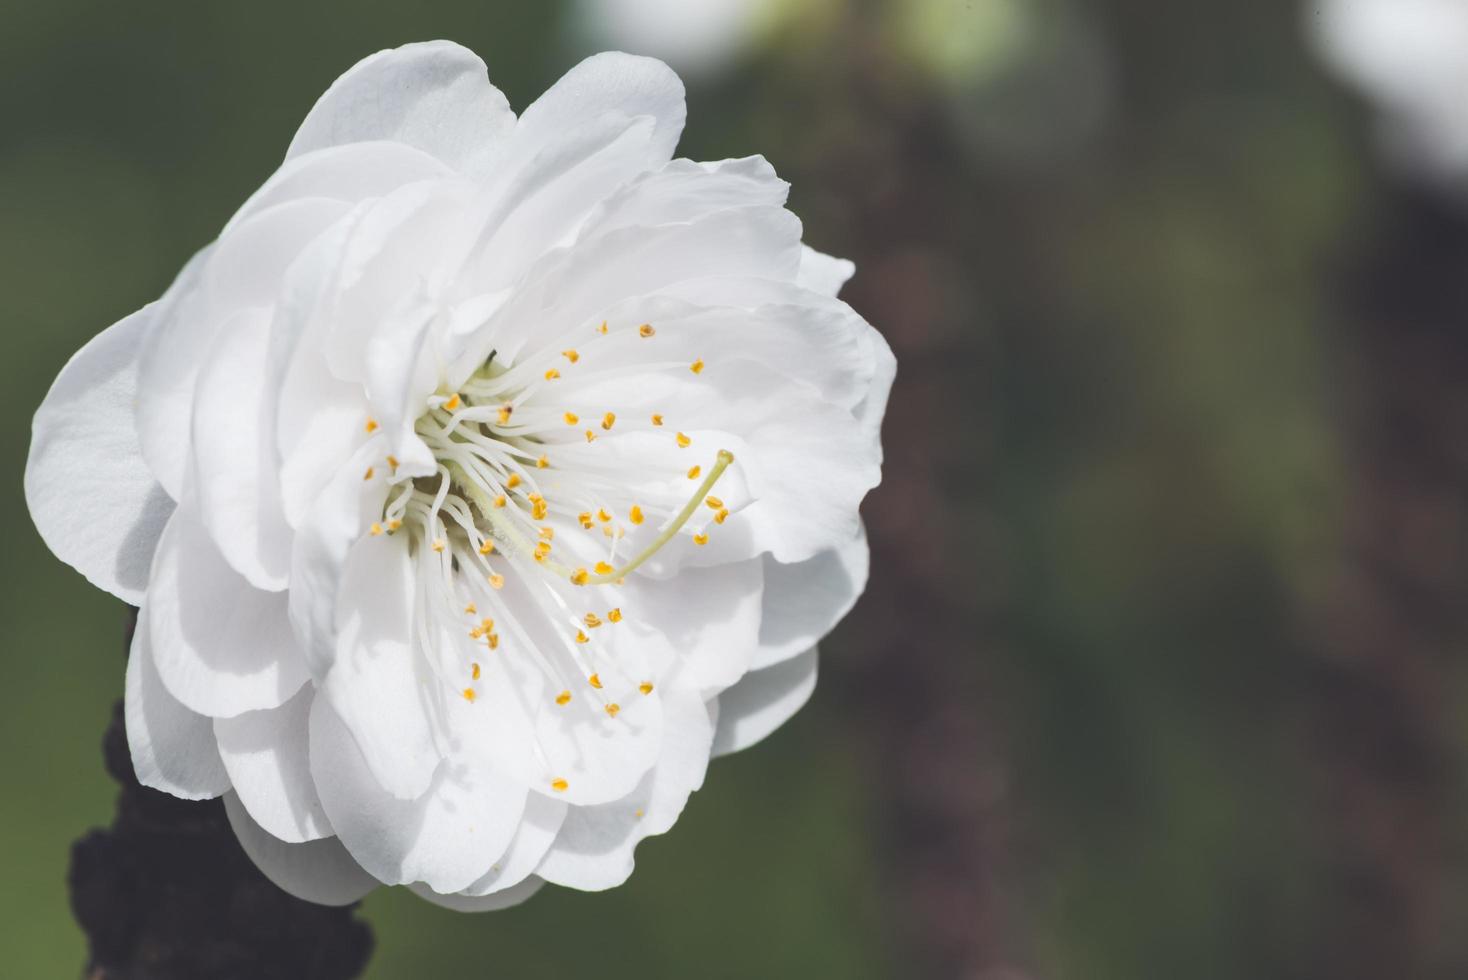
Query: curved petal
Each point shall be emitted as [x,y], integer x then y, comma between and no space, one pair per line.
[607,82]
[264,753]
[84,449]
[319,871]
[822,273]
[433,95]
[804,601]
[763,701]
[242,269]
[447,838]
[173,748]
[685,190]
[378,684]
[222,646]
[594,848]
[538,829]
[493,902]
[236,476]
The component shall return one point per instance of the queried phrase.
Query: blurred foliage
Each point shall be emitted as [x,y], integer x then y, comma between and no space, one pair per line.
[1096,234]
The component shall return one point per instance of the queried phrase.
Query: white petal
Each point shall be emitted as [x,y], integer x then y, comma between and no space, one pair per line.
[763,701]
[432,95]
[447,838]
[711,616]
[378,684]
[222,646]
[538,829]
[173,748]
[594,848]
[265,755]
[236,473]
[823,273]
[684,190]
[492,902]
[319,871]
[804,601]
[351,173]
[92,497]
[608,82]
[243,269]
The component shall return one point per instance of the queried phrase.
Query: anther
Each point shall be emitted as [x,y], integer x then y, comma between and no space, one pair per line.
[579,577]
[571,356]
[474,671]
[613,708]
[615,616]
[564,698]
[645,687]
[376,529]
[505,412]
[714,503]
[595,681]
[487,547]
[683,441]
[371,425]
[700,539]
[500,500]
[590,436]
[560,785]
[368,474]
[496,581]
[543,462]
[721,516]
[607,421]
[693,472]
[646,330]
[453,403]
[657,418]
[591,620]
[552,374]
[581,637]
[697,366]
[602,568]
[571,418]
[513,481]
[469,694]
[438,544]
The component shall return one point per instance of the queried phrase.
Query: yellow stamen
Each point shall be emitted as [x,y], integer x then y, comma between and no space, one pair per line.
[615,616]
[469,694]
[505,412]
[541,550]
[693,472]
[645,687]
[500,500]
[560,785]
[635,514]
[368,474]
[607,420]
[602,568]
[571,418]
[487,547]
[514,481]
[613,708]
[657,418]
[453,403]
[471,609]
[683,441]
[697,366]
[376,529]
[714,503]
[579,577]
[549,533]
[700,539]
[585,518]
[438,544]
[474,671]
[564,698]
[371,425]
[494,641]
[591,620]
[603,328]
[496,581]
[392,463]
[594,681]
[646,330]
[590,436]
[393,525]
[552,374]
[721,516]
[582,637]
[603,516]
[543,462]
[571,356]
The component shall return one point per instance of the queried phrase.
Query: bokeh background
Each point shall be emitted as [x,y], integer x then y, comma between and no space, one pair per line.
[1162,670]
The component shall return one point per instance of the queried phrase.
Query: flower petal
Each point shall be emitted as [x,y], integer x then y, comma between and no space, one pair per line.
[236,473]
[241,270]
[607,82]
[377,684]
[594,848]
[538,829]
[804,601]
[265,755]
[319,871]
[433,95]
[92,497]
[492,902]
[685,190]
[222,646]
[763,701]
[447,838]
[173,748]
[823,273]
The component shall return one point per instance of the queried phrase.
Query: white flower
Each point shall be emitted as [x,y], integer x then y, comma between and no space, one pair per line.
[1411,58]
[483,479]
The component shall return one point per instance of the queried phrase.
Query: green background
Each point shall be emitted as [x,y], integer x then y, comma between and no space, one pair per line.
[1097,235]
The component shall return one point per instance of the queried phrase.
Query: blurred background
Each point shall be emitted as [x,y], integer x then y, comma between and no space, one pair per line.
[1162,670]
